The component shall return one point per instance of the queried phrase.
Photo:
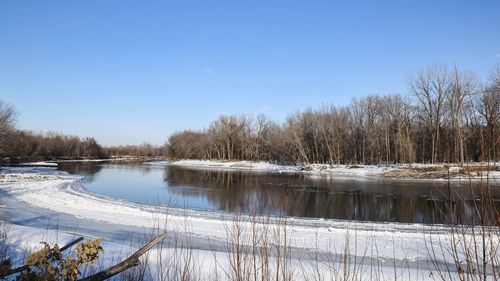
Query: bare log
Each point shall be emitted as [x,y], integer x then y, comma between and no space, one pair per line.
[131,261]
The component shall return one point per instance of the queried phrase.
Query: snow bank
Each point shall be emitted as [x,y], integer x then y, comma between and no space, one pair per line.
[99,160]
[399,171]
[40,163]
[347,170]
[229,165]
[209,265]
[317,169]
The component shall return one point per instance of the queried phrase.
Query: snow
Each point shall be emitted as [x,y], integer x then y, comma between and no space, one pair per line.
[210,264]
[40,163]
[100,160]
[361,172]
[347,170]
[229,165]
[50,191]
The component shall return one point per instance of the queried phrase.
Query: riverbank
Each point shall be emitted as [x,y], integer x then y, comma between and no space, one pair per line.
[54,163]
[31,193]
[439,172]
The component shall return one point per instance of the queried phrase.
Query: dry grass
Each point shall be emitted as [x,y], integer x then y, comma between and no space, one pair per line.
[474,248]
[443,171]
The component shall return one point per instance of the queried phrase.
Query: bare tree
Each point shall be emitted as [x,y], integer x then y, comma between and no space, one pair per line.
[488,107]
[358,135]
[429,88]
[442,120]
[462,88]
[7,121]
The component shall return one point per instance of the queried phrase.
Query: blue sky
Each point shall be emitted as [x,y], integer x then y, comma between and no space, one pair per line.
[132,71]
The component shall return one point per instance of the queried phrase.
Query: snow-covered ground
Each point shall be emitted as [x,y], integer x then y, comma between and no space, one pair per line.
[100,160]
[47,192]
[54,163]
[229,165]
[40,163]
[436,172]
[209,264]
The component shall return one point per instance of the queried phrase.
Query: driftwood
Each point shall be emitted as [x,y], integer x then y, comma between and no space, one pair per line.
[25,267]
[131,261]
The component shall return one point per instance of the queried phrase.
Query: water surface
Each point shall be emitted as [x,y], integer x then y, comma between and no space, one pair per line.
[291,194]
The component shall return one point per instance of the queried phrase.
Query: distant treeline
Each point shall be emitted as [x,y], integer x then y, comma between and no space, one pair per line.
[20,146]
[29,146]
[447,116]
[143,150]
[26,145]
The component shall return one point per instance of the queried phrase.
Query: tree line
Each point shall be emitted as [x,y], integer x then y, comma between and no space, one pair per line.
[446,116]
[29,146]
[21,145]
[145,150]
[7,120]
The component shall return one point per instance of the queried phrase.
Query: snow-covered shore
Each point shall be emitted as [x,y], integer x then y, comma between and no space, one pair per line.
[201,262]
[40,164]
[228,165]
[55,163]
[435,172]
[50,191]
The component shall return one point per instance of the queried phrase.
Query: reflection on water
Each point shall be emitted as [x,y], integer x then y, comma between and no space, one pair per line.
[280,193]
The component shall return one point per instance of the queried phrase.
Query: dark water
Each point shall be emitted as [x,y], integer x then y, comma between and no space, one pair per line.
[284,194]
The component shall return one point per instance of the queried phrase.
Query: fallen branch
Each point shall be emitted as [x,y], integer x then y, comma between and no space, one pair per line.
[131,261]
[25,267]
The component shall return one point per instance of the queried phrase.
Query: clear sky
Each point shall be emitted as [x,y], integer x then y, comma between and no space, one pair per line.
[132,71]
